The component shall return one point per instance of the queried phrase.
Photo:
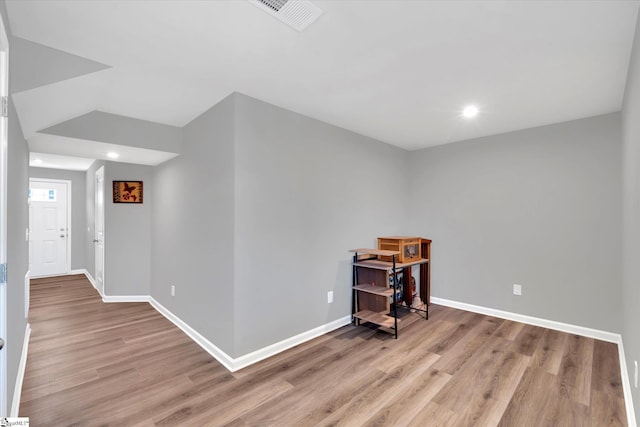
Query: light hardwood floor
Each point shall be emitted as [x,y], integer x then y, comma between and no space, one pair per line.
[124,364]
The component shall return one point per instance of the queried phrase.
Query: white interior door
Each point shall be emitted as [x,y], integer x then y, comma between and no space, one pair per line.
[99,229]
[48,227]
[4,93]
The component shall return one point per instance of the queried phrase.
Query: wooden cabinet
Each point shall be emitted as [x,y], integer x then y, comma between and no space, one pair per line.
[375,298]
[409,248]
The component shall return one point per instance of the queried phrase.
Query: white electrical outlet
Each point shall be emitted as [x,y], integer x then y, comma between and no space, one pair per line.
[635,374]
[330,297]
[517,289]
[173,290]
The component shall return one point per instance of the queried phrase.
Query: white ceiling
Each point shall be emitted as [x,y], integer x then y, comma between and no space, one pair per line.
[397,71]
[54,161]
[65,146]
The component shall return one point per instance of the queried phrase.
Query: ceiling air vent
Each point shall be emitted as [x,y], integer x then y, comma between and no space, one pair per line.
[298,14]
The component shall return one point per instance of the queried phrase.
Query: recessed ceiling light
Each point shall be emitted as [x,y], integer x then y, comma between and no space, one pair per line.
[470,111]
[112,155]
[38,161]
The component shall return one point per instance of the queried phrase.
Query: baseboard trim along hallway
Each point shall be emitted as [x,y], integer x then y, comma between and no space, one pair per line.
[91,280]
[231,363]
[126,298]
[17,391]
[530,320]
[234,364]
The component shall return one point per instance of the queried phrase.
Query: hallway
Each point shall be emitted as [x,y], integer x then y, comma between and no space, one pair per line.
[93,363]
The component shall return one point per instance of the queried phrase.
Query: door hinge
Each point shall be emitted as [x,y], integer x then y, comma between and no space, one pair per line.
[5,106]
[3,273]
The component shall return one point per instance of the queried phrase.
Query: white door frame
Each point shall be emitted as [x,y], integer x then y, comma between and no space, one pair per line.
[99,280]
[4,91]
[69,216]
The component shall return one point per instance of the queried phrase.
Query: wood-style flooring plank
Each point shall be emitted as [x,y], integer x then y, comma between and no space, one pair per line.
[509,330]
[92,363]
[360,408]
[433,415]
[400,410]
[467,347]
[607,409]
[548,354]
[606,375]
[528,339]
[576,368]
[528,405]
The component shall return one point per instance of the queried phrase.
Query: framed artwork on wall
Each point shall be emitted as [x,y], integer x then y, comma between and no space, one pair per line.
[127,191]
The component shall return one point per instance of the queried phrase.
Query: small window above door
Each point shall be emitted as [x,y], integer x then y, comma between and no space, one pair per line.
[43,194]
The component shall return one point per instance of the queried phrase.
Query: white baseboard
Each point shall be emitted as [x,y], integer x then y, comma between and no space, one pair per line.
[626,386]
[92,281]
[17,391]
[27,293]
[273,349]
[563,327]
[78,271]
[234,364]
[125,298]
[530,320]
[222,357]
[112,298]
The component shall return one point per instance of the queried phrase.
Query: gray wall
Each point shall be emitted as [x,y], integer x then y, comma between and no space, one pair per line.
[631,216]
[78,214]
[192,227]
[127,269]
[254,220]
[538,207]
[127,230]
[280,191]
[90,177]
[306,193]
[17,245]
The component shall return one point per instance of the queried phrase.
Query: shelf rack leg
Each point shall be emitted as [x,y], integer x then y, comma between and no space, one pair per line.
[425,278]
[354,296]
[395,308]
[428,286]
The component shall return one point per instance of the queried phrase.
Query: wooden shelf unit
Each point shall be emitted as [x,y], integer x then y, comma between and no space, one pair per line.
[374,299]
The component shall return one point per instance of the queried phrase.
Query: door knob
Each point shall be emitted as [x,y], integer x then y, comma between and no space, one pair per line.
[96,241]
[1,343]
[62,235]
